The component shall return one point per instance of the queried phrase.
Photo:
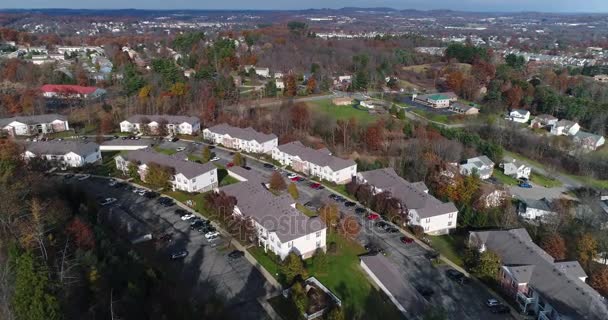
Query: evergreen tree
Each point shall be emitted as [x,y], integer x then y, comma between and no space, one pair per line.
[32,298]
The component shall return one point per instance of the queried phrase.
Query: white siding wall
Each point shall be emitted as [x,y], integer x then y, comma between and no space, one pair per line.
[441,224]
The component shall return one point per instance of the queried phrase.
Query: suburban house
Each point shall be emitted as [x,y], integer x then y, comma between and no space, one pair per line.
[588,141]
[387,277]
[436,100]
[537,283]
[280,227]
[482,166]
[65,153]
[174,124]
[187,175]
[69,91]
[565,128]
[317,163]
[516,169]
[244,139]
[342,101]
[601,78]
[543,121]
[519,115]
[434,216]
[33,125]
[262,72]
[463,109]
[534,209]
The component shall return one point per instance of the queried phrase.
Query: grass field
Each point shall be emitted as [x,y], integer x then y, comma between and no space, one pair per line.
[108,165]
[168,152]
[341,112]
[545,181]
[442,118]
[503,178]
[451,246]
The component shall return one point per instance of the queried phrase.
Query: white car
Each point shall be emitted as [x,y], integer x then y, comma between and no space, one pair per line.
[291,175]
[112,182]
[107,201]
[215,159]
[492,302]
[180,149]
[212,235]
[187,217]
[83,177]
[141,192]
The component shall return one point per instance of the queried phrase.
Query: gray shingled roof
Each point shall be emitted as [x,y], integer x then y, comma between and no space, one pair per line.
[412,195]
[320,157]
[136,118]
[43,118]
[188,168]
[275,213]
[247,134]
[561,287]
[582,135]
[55,147]
[390,277]
[565,123]
[541,204]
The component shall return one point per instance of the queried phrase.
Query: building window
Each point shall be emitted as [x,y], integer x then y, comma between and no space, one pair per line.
[318,233]
[193,180]
[318,244]
[449,223]
[428,220]
[451,215]
[290,244]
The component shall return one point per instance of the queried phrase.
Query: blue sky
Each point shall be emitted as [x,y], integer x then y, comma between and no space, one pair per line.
[468,5]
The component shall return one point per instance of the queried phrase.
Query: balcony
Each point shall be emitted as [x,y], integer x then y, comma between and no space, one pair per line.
[544,315]
[524,301]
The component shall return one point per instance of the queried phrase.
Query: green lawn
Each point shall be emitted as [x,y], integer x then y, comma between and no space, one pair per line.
[503,178]
[545,181]
[451,246]
[285,308]
[305,210]
[168,152]
[441,118]
[224,178]
[108,165]
[198,200]
[342,112]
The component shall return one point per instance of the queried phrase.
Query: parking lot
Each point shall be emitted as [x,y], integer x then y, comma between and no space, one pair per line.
[207,268]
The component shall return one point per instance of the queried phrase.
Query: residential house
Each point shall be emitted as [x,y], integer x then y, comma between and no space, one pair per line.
[244,139]
[601,78]
[387,277]
[68,91]
[65,153]
[538,284]
[436,100]
[342,101]
[263,72]
[588,141]
[543,121]
[33,125]
[519,115]
[534,209]
[280,227]
[482,166]
[463,109]
[187,176]
[174,124]
[565,128]
[434,216]
[318,163]
[280,84]
[516,169]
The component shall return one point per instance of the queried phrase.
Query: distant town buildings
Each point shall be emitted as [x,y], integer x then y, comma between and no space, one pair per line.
[243,139]
[33,125]
[64,153]
[67,91]
[174,125]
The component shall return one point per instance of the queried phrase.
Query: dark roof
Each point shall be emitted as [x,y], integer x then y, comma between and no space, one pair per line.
[43,118]
[276,213]
[136,118]
[558,283]
[189,169]
[541,204]
[54,147]
[462,107]
[544,118]
[320,157]
[412,195]
[582,135]
[390,277]
[247,134]
[248,175]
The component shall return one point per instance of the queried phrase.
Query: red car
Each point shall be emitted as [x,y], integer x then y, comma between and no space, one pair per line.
[230,165]
[315,185]
[406,240]
[373,216]
[295,179]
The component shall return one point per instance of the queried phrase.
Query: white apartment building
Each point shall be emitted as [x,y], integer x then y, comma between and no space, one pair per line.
[65,153]
[174,124]
[316,163]
[188,176]
[434,216]
[33,125]
[242,139]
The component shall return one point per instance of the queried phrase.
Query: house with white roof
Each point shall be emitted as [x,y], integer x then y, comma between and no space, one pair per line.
[281,228]
[519,115]
[173,124]
[34,125]
[565,128]
[65,153]
[482,166]
[242,139]
[187,176]
[424,210]
[516,169]
[318,163]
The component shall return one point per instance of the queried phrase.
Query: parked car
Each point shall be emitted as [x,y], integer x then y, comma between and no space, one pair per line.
[211,147]
[381,224]
[112,182]
[107,201]
[333,196]
[236,254]
[187,216]
[230,165]
[246,167]
[525,185]
[167,237]
[180,149]
[174,139]
[492,302]
[360,210]
[431,255]
[167,202]
[181,212]
[83,177]
[179,254]
[196,225]
[268,166]
[291,175]
[340,199]
[314,185]
[406,240]
[349,204]
[211,234]
[373,216]
[391,229]
[120,185]
[151,194]
[425,291]
[214,159]
[455,275]
[295,179]
[500,309]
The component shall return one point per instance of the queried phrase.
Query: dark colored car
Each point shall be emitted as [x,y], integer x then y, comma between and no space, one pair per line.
[181,212]
[425,291]
[236,254]
[246,167]
[119,185]
[455,275]
[268,166]
[500,309]
[391,229]
[406,240]
[340,199]
[151,194]
[381,224]
[179,254]
[174,139]
[196,225]
[349,204]
[360,210]
[333,196]
[431,255]
[211,147]
[167,202]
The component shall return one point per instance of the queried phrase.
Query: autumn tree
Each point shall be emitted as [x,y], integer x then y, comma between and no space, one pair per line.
[330,214]
[238,159]
[349,226]
[106,124]
[159,176]
[487,265]
[374,137]
[293,267]
[82,233]
[555,246]
[455,81]
[206,155]
[291,88]
[514,96]
[293,191]
[599,280]
[586,249]
[300,117]
[311,85]
[277,183]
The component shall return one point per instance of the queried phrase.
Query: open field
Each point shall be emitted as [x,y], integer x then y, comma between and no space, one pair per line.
[341,112]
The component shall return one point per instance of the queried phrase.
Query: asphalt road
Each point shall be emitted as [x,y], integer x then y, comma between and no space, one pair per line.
[206,269]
